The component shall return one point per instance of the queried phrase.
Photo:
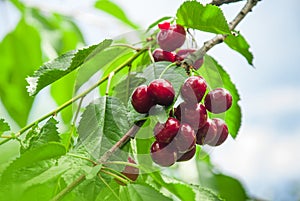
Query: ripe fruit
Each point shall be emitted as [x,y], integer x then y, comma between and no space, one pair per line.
[162,92]
[183,53]
[161,55]
[193,89]
[207,132]
[162,154]
[192,113]
[166,132]
[218,100]
[141,99]
[131,172]
[188,155]
[185,140]
[215,139]
[170,36]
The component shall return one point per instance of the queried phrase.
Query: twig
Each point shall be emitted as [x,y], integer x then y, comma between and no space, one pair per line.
[220,37]
[221,2]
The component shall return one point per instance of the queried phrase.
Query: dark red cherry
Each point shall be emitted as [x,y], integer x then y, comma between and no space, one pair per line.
[130,172]
[192,113]
[162,92]
[193,89]
[185,140]
[218,100]
[170,36]
[207,133]
[162,154]
[167,131]
[183,53]
[221,134]
[187,156]
[161,55]
[141,99]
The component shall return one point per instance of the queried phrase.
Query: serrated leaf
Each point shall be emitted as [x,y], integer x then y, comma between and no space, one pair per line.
[209,18]
[110,193]
[4,126]
[141,192]
[216,77]
[204,194]
[20,53]
[61,66]
[102,124]
[114,10]
[239,44]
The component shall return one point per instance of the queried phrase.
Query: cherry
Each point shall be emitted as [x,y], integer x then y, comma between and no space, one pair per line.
[187,155]
[193,114]
[167,131]
[141,99]
[193,89]
[218,100]
[207,132]
[130,172]
[161,55]
[162,154]
[183,53]
[185,140]
[170,36]
[215,139]
[162,92]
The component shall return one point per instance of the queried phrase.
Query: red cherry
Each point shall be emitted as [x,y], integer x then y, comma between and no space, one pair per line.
[166,132]
[193,114]
[218,100]
[130,172]
[185,140]
[170,37]
[162,92]
[141,99]
[193,89]
[161,55]
[221,134]
[162,154]
[187,156]
[207,132]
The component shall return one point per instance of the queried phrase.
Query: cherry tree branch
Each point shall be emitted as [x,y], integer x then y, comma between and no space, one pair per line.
[221,2]
[220,37]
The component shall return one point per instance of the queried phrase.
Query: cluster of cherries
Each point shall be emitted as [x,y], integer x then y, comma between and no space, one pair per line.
[188,124]
[170,38]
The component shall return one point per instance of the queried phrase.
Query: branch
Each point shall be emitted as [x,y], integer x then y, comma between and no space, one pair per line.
[220,37]
[221,2]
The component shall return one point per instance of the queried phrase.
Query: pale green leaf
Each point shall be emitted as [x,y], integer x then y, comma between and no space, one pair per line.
[239,44]
[114,10]
[209,18]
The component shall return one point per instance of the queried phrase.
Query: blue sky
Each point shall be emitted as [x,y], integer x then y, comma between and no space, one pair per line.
[265,155]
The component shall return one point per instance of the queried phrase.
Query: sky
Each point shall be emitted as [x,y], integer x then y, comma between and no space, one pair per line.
[265,155]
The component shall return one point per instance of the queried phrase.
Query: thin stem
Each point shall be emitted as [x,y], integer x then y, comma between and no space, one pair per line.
[110,76]
[69,102]
[69,188]
[117,173]
[126,45]
[221,2]
[123,163]
[165,70]
[115,176]
[82,157]
[108,186]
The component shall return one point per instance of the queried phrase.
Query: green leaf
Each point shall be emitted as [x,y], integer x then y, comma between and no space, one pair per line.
[61,66]
[239,44]
[158,21]
[209,18]
[203,194]
[114,10]
[141,192]
[216,77]
[44,152]
[109,193]
[102,124]
[20,52]
[94,171]
[4,126]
